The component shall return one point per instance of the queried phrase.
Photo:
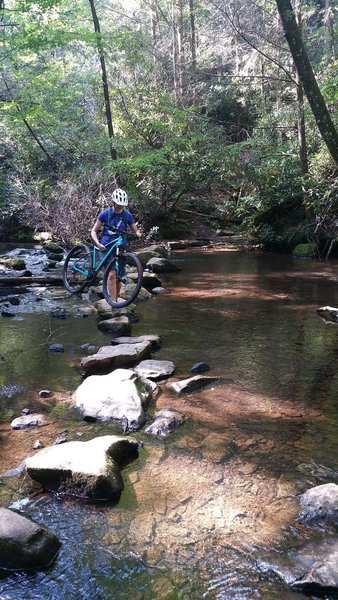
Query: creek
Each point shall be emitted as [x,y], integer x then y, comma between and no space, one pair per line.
[208,511]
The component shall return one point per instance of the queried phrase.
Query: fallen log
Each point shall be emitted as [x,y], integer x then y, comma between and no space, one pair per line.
[40,279]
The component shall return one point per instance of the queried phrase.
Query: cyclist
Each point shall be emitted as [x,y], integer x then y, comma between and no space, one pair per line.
[112,218]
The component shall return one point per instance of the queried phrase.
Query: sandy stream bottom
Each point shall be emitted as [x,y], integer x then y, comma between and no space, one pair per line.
[228,477]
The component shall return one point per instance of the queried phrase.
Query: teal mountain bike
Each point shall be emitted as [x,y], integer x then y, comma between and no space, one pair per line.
[83,263]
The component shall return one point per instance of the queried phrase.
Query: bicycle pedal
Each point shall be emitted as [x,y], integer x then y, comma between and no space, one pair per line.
[123,279]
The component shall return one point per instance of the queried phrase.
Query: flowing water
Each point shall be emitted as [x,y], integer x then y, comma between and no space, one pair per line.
[206,511]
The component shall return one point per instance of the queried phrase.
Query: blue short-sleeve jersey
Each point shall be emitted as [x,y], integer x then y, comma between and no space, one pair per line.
[111,219]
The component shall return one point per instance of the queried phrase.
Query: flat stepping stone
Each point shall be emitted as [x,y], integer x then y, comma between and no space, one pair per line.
[119,325]
[155,369]
[122,355]
[155,340]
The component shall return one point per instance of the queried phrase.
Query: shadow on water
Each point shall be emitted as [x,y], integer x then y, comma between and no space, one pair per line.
[202,507]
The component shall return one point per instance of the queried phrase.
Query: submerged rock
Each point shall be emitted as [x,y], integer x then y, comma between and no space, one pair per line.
[313,568]
[200,367]
[193,383]
[320,504]
[328,313]
[165,422]
[28,421]
[85,469]
[56,348]
[25,544]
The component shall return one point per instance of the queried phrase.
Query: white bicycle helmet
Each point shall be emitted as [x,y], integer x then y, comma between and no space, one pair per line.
[120,197]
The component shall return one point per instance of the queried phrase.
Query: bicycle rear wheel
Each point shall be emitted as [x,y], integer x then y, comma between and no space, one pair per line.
[126,271]
[77,268]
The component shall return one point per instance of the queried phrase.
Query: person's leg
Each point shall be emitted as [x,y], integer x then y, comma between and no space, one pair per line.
[114,285]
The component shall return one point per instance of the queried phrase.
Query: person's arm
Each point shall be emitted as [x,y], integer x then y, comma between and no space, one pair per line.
[136,230]
[94,234]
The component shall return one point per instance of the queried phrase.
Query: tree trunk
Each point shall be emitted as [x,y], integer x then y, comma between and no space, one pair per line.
[30,129]
[306,75]
[180,47]
[153,22]
[192,36]
[174,40]
[104,78]
[329,22]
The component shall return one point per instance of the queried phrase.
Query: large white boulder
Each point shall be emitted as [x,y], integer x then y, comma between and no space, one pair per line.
[120,396]
[85,469]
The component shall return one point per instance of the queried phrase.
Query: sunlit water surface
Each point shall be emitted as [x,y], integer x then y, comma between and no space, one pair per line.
[252,318]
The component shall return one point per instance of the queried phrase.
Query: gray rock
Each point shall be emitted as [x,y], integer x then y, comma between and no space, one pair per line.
[150,280]
[153,251]
[319,564]
[165,422]
[118,325]
[56,348]
[85,469]
[155,369]
[112,357]
[120,396]
[28,421]
[7,313]
[25,544]
[162,265]
[328,313]
[312,568]
[45,393]
[37,445]
[200,367]
[155,340]
[320,504]
[15,471]
[193,383]
[105,311]
[59,313]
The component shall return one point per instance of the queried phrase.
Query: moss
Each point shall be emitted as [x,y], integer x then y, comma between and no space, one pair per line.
[14,263]
[305,250]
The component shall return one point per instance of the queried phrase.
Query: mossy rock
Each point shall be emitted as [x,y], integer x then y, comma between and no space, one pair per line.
[16,263]
[305,250]
[53,248]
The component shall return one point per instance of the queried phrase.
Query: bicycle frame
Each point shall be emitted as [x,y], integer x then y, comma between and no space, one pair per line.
[111,247]
[95,268]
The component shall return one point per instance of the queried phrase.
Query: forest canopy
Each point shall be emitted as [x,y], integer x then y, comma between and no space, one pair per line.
[189,104]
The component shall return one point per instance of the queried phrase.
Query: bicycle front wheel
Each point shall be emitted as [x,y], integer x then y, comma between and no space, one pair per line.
[77,268]
[122,280]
